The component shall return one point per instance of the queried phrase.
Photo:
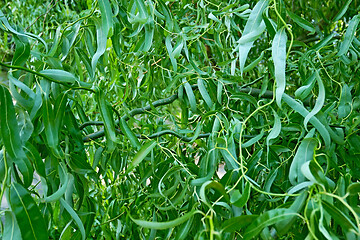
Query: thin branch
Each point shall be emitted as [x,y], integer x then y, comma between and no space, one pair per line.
[47,78]
[166,132]
[132,113]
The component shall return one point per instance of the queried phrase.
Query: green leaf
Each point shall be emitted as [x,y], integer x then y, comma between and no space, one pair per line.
[8,27]
[319,101]
[239,200]
[52,117]
[29,218]
[198,129]
[74,216]
[64,180]
[283,227]
[323,42]
[11,228]
[254,63]
[101,37]
[338,216]
[275,131]
[354,188]
[60,75]
[279,58]
[342,11]
[204,93]
[165,225]
[22,50]
[214,185]
[129,134]
[349,35]
[33,154]
[314,121]
[266,219]
[107,116]
[304,91]
[302,22]
[190,95]
[140,155]
[10,134]
[345,104]
[304,153]
[149,35]
[253,140]
[253,29]
[237,223]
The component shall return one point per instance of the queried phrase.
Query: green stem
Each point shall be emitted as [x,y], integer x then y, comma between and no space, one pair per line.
[287,28]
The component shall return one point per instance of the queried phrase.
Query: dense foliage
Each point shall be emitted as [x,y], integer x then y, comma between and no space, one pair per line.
[179,119]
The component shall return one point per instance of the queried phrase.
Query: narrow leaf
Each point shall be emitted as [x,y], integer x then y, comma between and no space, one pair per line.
[11,228]
[237,223]
[75,216]
[304,154]
[140,155]
[29,218]
[319,101]
[60,75]
[349,35]
[204,93]
[266,219]
[129,134]
[10,134]
[165,225]
[190,95]
[253,29]
[342,11]
[279,58]
[314,121]
[302,22]
[275,131]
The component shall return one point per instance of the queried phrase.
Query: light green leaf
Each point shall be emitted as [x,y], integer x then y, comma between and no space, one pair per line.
[22,50]
[214,185]
[345,104]
[11,228]
[190,95]
[275,131]
[314,121]
[239,200]
[304,154]
[60,75]
[279,58]
[8,27]
[254,63]
[253,29]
